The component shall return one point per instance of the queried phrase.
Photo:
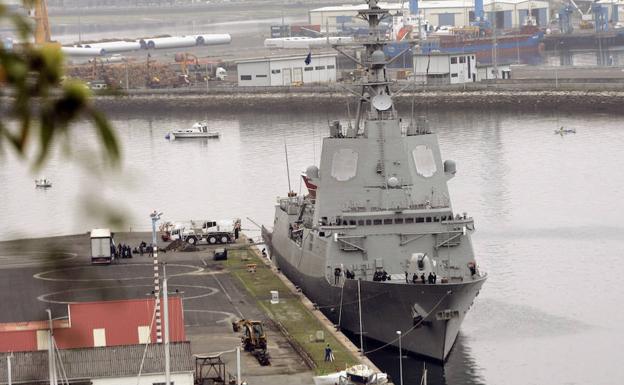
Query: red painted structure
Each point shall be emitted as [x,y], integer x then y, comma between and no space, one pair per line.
[120,320]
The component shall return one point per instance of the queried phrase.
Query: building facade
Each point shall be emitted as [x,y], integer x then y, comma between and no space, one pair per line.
[287,70]
[443,68]
[504,14]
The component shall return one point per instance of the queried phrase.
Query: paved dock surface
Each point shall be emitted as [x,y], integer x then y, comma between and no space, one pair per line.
[46,273]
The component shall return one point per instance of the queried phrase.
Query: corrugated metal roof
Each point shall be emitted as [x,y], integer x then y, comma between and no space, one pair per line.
[285,57]
[431,4]
[103,362]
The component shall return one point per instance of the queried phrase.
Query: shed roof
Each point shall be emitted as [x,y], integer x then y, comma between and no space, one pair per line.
[101,362]
[285,57]
[430,4]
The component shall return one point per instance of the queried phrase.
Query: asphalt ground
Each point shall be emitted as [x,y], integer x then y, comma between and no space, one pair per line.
[37,274]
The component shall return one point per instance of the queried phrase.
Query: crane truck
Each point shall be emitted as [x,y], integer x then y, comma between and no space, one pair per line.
[209,231]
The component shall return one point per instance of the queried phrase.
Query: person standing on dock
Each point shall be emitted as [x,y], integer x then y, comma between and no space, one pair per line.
[328,353]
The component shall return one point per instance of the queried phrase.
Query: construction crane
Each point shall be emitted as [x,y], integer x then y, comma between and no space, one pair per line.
[185,59]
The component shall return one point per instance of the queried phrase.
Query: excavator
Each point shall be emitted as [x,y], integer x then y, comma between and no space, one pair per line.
[253,339]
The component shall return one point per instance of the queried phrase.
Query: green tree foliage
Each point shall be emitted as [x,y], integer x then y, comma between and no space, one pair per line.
[34,95]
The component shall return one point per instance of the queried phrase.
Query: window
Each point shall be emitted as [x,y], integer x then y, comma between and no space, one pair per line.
[368,222]
[387,221]
[443,217]
[361,222]
[453,60]
[261,76]
[453,75]
[420,220]
[376,221]
[331,67]
[398,221]
[245,77]
[276,71]
[352,222]
[428,220]
[409,220]
[318,68]
[99,337]
[462,59]
[308,69]
[436,219]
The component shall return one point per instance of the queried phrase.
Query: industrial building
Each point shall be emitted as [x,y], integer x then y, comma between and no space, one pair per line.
[287,70]
[445,68]
[615,9]
[111,365]
[504,13]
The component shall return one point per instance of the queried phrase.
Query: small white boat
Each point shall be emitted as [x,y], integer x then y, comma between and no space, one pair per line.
[562,131]
[355,375]
[198,130]
[43,183]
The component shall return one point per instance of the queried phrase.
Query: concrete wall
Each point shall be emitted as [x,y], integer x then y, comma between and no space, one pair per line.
[146,379]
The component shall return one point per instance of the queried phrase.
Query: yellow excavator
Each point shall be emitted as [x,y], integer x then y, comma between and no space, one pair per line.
[253,339]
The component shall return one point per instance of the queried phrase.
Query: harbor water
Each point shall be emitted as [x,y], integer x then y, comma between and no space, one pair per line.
[547,209]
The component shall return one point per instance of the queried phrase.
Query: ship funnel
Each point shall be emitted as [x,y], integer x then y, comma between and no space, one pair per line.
[378,59]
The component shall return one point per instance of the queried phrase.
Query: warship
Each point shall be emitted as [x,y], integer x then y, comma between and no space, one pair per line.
[375,243]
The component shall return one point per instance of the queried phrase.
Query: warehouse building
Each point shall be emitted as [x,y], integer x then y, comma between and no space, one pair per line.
[287,70]
[445,68]
[504,13]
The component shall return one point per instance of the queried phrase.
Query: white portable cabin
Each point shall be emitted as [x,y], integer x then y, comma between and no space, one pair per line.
[102,244]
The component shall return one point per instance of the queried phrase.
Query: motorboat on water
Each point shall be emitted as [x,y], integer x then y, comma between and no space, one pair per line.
[198,130]
[43,183]
[354,375]
[562,131]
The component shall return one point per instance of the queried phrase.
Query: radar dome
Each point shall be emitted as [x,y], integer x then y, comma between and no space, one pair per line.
[312,172]
[393,181]
[378,58]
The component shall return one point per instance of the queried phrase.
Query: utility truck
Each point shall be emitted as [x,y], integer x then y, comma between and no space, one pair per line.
[209,231]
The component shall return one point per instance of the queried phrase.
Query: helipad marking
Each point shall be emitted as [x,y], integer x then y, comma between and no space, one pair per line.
[44,297]
[41,274]
[26,258]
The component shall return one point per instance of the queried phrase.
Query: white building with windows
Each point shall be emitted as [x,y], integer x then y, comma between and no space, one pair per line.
[445,68]
[457,13]
[287,70]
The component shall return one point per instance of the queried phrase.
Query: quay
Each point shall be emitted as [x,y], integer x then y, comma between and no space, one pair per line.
[37,274]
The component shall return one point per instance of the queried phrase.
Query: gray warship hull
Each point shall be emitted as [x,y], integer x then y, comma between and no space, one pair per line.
[385,307]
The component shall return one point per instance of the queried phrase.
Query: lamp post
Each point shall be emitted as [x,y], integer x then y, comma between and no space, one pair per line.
[155,215]
[400,358]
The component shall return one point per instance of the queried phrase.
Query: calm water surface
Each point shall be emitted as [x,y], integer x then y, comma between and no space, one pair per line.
[548,211]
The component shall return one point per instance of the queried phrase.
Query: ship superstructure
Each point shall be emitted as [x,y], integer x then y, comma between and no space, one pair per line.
[376,243]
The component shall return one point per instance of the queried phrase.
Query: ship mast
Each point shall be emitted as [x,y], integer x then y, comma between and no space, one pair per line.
[375,85]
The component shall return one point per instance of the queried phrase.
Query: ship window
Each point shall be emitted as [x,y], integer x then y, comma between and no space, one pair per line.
[352,222]
[376,221]
[368,222]
[261,76]
[462,59]
[428,220]
[387,221]
[398,221]
[420,220]
[318,68]
[276,71]
[453,75]
[443,217]
[436,219]
[409,220]
[361,222]
[453,60]
[344,164]
[308,69]
[423,159]
[331,67]
[245,77]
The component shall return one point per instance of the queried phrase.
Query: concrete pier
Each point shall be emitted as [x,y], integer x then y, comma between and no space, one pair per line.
[36,274]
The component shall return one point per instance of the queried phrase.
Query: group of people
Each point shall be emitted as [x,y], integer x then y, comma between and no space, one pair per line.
[123,251]
[431,278]
[381,275]
[145,248]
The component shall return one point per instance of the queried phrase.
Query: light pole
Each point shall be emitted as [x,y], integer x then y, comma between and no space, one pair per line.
[155,215]
[400,358]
